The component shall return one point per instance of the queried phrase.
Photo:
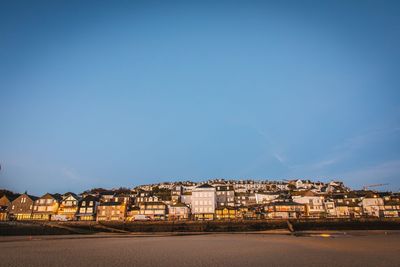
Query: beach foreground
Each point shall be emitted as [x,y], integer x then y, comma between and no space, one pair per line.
[359,249]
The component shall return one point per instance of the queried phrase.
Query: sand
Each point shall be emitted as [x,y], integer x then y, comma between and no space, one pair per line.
[203,250]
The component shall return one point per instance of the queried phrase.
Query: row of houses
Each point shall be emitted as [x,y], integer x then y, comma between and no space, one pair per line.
[207,201]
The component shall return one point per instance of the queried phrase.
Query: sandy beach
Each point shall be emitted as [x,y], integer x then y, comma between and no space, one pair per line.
[356,249]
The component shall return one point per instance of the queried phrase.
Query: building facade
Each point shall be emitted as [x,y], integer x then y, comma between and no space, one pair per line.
[204,202]
[46,207]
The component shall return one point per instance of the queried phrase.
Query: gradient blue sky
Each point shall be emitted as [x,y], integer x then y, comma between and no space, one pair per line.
[120,93]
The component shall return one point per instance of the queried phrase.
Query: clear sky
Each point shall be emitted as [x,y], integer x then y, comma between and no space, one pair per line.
[120,93]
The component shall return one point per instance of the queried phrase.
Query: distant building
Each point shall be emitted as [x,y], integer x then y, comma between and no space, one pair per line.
[146,196]
[46,207]
[373,205]
[265,197]
[226,213]
[391,206]
[68,206]
[5,205]
[87,208]
[154,210]
[245,199]
[178,211]
[186,198]
[132,213]
[225,195]
[22,207]
[176,193]
[284,210]
[107,196]
[204,202]
[314,203]
[111,211]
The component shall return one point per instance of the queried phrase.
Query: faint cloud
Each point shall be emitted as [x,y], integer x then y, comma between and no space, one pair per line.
[279,157]
[273,147]
[346,149]
[70,174]
[386,172]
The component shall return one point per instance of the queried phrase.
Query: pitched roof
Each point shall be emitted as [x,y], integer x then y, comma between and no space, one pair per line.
[54,196]
[90,198]
[205,186]
[111,203]
[71,194]
[107,193]
[33,198]
[11,198]
[227,207]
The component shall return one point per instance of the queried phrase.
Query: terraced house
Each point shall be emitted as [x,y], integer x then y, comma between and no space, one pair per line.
[178,211]
[68,207]
[5,204]
[111,211]
[154,210]
[284,210]
[225,195]
[22,207]
[226,213]
[87,208]
[46,207]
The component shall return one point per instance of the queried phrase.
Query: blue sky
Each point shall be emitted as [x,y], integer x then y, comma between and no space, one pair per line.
[109,94]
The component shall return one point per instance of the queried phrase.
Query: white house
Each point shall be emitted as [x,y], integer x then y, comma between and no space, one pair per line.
[373,205]
[262,198]
[204,202]
[314,203]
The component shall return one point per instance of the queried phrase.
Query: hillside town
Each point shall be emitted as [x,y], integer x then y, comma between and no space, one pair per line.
[216,199]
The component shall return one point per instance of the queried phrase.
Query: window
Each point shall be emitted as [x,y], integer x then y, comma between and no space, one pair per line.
[91,203]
